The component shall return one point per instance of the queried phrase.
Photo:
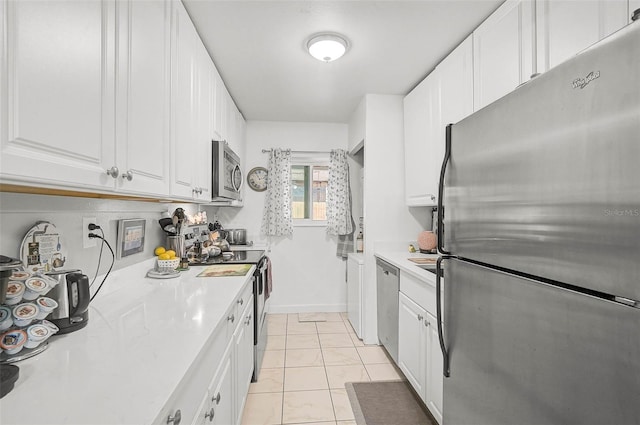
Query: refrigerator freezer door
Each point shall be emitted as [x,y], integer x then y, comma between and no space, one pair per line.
[523,352]
[547,179]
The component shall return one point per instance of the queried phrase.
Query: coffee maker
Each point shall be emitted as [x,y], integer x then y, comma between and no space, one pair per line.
[73,296]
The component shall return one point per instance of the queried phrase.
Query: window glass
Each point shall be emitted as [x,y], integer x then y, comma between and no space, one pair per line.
[309,192]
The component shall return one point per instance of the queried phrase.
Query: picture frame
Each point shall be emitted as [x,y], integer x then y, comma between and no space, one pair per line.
[131,234]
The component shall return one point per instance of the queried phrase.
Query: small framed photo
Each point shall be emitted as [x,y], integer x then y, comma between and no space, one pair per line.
[130,237]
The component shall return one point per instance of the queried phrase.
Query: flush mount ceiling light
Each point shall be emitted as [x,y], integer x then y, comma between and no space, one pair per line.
[327,47]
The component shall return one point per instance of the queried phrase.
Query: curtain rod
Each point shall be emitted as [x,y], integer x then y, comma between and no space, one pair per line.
[269,150]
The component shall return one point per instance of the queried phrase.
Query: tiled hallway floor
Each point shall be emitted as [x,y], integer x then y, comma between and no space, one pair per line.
[305,368]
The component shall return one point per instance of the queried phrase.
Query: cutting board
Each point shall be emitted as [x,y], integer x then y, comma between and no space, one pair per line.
[423,260]
[221,270]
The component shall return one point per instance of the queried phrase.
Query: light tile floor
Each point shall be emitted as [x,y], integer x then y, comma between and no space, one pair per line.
[305,367]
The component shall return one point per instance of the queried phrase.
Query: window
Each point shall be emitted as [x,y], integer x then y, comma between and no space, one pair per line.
[309,193]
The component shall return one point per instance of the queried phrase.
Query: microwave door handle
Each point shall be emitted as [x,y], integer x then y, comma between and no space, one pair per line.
[236,171]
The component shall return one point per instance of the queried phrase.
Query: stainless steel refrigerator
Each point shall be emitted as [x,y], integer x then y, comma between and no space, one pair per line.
[539,227]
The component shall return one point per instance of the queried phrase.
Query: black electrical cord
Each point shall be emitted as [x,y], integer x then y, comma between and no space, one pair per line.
[113,260]
[99,259]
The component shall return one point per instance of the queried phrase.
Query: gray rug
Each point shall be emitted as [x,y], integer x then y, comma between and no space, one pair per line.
[387,403]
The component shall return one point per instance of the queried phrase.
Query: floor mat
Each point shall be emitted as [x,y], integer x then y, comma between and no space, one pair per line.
[387,403]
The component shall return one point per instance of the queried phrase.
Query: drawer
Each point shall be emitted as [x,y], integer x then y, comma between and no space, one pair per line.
[244,298]
[422,293]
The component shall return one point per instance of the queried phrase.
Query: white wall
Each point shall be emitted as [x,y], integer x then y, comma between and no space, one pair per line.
[387,218]
[307,274]
[19,212]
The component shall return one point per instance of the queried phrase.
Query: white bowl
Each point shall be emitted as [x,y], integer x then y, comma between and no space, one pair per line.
[168,265]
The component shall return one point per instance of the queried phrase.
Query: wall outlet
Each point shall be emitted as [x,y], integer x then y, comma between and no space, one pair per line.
[87,242]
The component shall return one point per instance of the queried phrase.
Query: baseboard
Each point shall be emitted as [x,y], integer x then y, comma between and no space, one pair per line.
[306,308]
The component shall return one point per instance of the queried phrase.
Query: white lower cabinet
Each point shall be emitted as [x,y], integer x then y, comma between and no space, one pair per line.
[419,355]
[215,388]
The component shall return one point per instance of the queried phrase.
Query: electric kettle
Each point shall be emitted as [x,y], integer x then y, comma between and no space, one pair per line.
[72,295]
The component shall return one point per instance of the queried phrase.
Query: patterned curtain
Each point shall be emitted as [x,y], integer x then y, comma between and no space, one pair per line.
[276,220]
[339,221]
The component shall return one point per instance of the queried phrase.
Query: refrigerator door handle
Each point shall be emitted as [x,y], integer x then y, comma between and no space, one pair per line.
[445,353]
[443,169]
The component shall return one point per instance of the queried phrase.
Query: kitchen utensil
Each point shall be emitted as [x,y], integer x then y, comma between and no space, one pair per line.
[176,243]
[71,292]
[166,224]
[178,218]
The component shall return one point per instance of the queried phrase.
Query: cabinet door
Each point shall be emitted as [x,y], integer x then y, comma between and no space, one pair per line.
[221,391]
[56,93]
[411,357]
[244,358]
[204,130]
[503,51]
[421,115]
[220,118]
[354,295]
[565,27]
[434,364]
[184,116]
[142,121]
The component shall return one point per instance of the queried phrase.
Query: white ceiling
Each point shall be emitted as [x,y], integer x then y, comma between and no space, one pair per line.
[259,50]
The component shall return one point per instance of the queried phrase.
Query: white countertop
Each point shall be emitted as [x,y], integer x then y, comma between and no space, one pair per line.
[401,260]
[143,335]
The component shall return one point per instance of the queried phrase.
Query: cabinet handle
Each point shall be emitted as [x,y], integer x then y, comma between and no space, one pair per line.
[210,414]
[200,190]
[433,198]
[231,318]
[240,301]
[216,398]
[175,419]
[426,323]
[113,172]
[420,317]
[128,175]
[248,320]
[386,273]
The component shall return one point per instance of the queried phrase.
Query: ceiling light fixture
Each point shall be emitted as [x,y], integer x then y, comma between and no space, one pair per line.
[327,47]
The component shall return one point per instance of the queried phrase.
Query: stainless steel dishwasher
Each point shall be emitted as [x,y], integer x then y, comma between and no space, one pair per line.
[388,283]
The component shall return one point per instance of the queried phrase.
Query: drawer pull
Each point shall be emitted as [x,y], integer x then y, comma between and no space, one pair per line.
[420,317]
[216,398]
[176,418]
[210,414]
[231,318]
[240,301]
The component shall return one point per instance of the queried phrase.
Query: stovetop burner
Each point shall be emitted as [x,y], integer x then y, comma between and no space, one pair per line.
[239,257]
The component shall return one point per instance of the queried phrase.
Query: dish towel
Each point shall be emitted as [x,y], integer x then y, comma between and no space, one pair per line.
[269,286]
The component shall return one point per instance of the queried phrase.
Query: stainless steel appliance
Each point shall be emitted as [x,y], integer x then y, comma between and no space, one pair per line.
[540,322]
[226,174]
[72,295]
[260,295]
[236,236]
[388,285]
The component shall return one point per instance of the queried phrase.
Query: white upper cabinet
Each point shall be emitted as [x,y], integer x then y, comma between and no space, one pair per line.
[57,94]
[444,97]
[142,112]
[204,95]
[503,51]
[566,27]
[184,118]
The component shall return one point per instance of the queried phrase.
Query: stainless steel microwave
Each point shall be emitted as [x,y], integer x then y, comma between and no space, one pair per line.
[226,174]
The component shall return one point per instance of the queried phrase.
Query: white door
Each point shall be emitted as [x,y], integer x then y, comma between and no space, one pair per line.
[503,52]
[434,384]
[184,116]
[143,142]
[411,359]
[57,98]
[354,294]
[565,27]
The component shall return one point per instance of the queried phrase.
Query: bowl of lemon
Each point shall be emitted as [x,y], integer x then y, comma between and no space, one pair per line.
[166,259]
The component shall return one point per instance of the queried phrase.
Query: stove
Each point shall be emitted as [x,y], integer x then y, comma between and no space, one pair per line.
[238,257]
